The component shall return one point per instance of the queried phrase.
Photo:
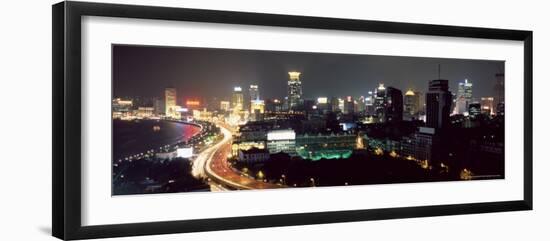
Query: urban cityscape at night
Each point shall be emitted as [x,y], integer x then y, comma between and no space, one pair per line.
[204,119]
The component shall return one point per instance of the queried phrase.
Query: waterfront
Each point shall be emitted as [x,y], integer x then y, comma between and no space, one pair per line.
[138,136]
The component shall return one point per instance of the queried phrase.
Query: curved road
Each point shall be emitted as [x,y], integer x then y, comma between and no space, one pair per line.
[212,163]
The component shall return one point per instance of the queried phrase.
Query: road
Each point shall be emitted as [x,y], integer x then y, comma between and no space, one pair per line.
[212,163]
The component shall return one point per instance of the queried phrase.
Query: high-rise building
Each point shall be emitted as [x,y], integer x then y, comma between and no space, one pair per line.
[421,103]
[294,91]
[170,102]
[388,104]
[438,104]
[412,103]
[369,103]
[380,102]
[237,105]
[360,104]
[349,107]
[499,88]
[423,144]
[465,89]
[461,105]
[237,99]
[487,105]
[335,104]
[463,97]
[341,104]
[394,105]
[254,93]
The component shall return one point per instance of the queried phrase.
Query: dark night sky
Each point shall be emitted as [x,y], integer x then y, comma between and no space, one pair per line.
[206,72]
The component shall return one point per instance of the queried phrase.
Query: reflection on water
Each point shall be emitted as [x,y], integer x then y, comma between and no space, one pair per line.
[133,137]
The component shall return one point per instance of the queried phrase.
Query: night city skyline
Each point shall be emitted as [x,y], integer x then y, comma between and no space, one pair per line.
[193,71]
[198,119]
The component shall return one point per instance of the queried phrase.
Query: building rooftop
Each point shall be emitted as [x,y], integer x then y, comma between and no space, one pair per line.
[254,150]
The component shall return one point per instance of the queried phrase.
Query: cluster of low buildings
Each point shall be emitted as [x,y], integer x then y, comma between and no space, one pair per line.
[257,146]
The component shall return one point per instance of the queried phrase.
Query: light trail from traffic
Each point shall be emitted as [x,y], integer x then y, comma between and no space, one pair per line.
[218,170]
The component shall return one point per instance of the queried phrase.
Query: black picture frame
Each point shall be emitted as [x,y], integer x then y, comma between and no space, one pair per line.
[66,75]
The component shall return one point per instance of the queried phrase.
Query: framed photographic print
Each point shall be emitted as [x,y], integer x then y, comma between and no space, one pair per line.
[170,120]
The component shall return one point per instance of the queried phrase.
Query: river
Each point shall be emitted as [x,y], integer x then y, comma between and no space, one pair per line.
[134,137]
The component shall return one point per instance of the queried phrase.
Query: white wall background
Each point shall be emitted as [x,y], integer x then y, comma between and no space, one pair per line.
[25,122]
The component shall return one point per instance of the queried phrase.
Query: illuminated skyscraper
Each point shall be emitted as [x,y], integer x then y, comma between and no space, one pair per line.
[487,105]
[335,104]
[463,97]
[341,104]
[349,106]
[237,106]
[170,102]
[360,104]
[369,103]
[237,99]
[421,102]
[294,91]
[394,105]
[388,104]
[499,88]
[380,102]
[254,93]
[438,104]
[412,103]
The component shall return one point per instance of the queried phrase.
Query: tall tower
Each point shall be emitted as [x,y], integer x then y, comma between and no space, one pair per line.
[237,99]
[349,107]
[294,91]
[499,88]
[170,101]
[369,103]
[412,103]
[380,103]
[394,105]
[438,104]
[463,97]
[254,93]
[388,104]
